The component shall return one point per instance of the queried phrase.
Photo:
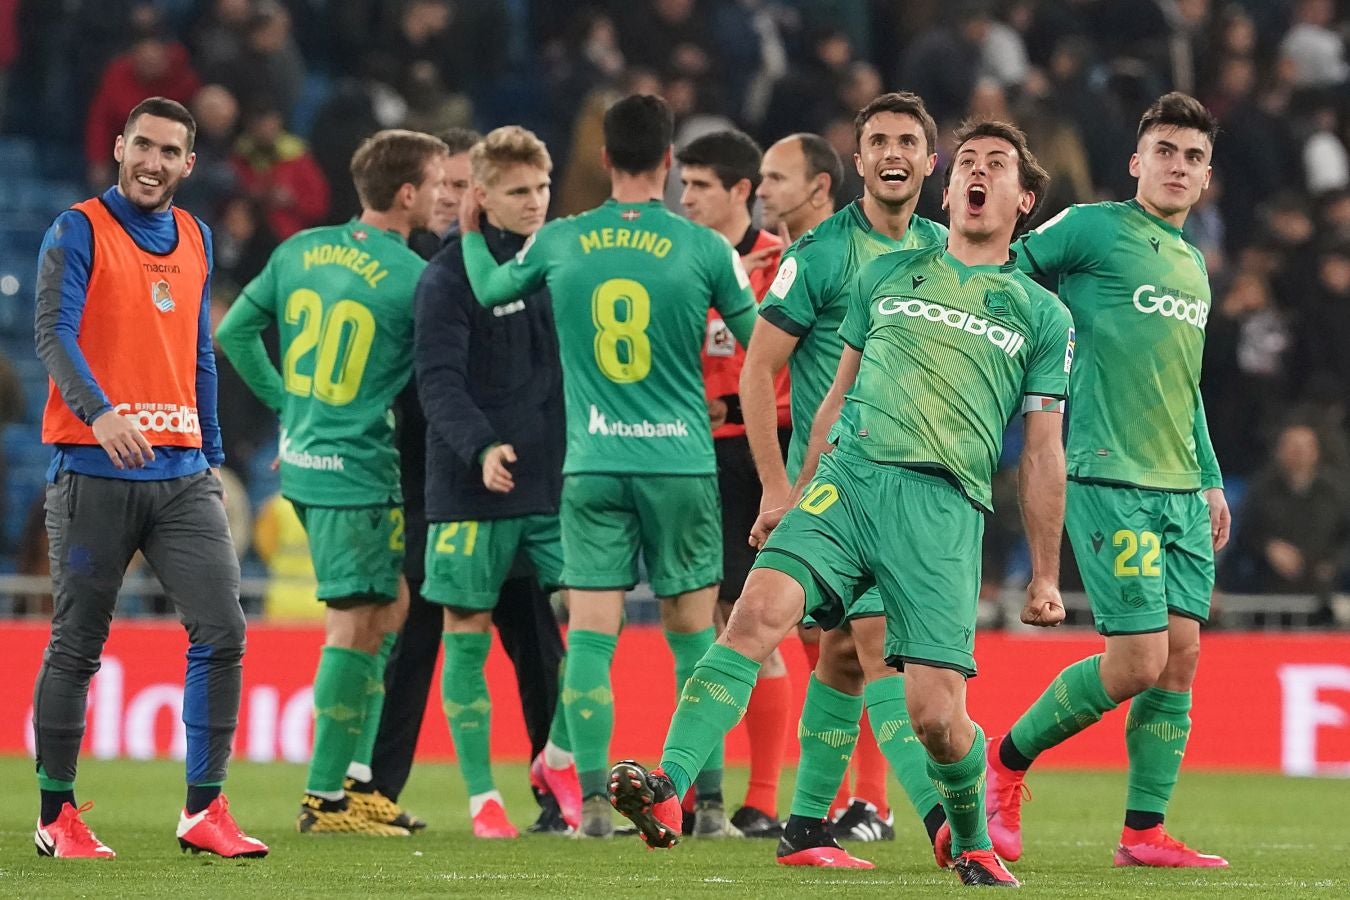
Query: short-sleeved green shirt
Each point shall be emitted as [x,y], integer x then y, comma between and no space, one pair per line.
[342,300]
[631,285]
[949,352]
[809,297]
[1140,297]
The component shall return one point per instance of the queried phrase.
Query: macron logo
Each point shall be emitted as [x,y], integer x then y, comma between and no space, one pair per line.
[600,424]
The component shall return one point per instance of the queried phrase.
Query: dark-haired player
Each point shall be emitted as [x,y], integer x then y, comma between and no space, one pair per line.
[798,329]
[943,345]
[631,285]
[123,328]
[342,299]
[1146,508]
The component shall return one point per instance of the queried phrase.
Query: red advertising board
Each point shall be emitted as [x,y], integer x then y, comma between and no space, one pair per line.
[1262,702]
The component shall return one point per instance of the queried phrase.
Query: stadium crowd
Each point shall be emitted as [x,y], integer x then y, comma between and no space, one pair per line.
[284,90]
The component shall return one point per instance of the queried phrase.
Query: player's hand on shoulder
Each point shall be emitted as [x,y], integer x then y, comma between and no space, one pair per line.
[122,440]
[1044,607]
[1220,519]
[496,476]
[760,258]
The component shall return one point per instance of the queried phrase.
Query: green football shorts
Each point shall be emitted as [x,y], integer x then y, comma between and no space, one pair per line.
[912,535]
[468,561]
[674,520]
[1142,554]
[357,550]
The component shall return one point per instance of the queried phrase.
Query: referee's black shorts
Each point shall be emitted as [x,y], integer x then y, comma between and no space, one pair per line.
[738,484]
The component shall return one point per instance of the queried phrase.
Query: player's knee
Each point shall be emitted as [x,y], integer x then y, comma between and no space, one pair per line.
[838,666]
[1127,674]
[1183,658]
[933,723]
[764,609]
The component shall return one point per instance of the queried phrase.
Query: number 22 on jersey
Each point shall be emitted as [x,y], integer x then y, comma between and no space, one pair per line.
[343,338]
[622,349]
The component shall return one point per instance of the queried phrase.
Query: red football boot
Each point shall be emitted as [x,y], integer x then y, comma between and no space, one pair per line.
[1155,847]
[1004,793]
[814,844]
[69,838]
[213,830]
[563,784]
[983,868]
[648,800]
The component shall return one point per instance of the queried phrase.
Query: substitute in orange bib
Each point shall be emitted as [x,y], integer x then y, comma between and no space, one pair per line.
[124,329]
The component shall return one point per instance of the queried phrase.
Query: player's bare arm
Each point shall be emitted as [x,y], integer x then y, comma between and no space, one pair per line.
[1040,489]
[766,356]
[849,362]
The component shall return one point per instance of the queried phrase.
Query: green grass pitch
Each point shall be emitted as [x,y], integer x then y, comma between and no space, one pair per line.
[1282,836]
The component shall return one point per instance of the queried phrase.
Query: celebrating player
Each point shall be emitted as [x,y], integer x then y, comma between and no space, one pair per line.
[631,286]
[1146,508]
[342,298]
[123,328]
[943,346]
[492,387]
[798,328]
[720,172]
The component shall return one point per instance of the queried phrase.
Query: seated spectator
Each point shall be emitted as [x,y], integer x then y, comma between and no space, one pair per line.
[277,172]
[1294,523]
[156,65]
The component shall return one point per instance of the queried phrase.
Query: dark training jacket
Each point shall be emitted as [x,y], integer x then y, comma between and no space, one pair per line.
[487,376]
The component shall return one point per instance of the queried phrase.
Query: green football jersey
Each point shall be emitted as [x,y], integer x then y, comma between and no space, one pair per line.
[631,286]
[342,299]
[950,353]
[1140,296]
[809,297]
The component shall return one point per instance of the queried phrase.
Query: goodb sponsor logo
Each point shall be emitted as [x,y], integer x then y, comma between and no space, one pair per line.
[1191,310]
[161,418]
[1005,339]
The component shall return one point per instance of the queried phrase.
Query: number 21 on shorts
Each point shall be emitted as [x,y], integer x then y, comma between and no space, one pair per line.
[1138,553]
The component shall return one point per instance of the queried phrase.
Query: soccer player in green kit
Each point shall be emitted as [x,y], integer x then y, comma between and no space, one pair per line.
[631,284]
[943,345]
[1146,508]
[342,298]
[799,327]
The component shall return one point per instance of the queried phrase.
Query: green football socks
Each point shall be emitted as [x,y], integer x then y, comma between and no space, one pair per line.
[558,735]
[688,649]
[341,688]
[885,701]
[827,733]
[713,700]
[468,707]
[1072,702]
[370,729]
[961,787]
[1156,731]
[589,702]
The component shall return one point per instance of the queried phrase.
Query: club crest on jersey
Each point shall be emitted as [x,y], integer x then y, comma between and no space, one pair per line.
[162,296]
[998,302]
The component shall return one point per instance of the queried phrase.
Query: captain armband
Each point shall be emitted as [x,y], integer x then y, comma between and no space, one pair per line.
[1041,403]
